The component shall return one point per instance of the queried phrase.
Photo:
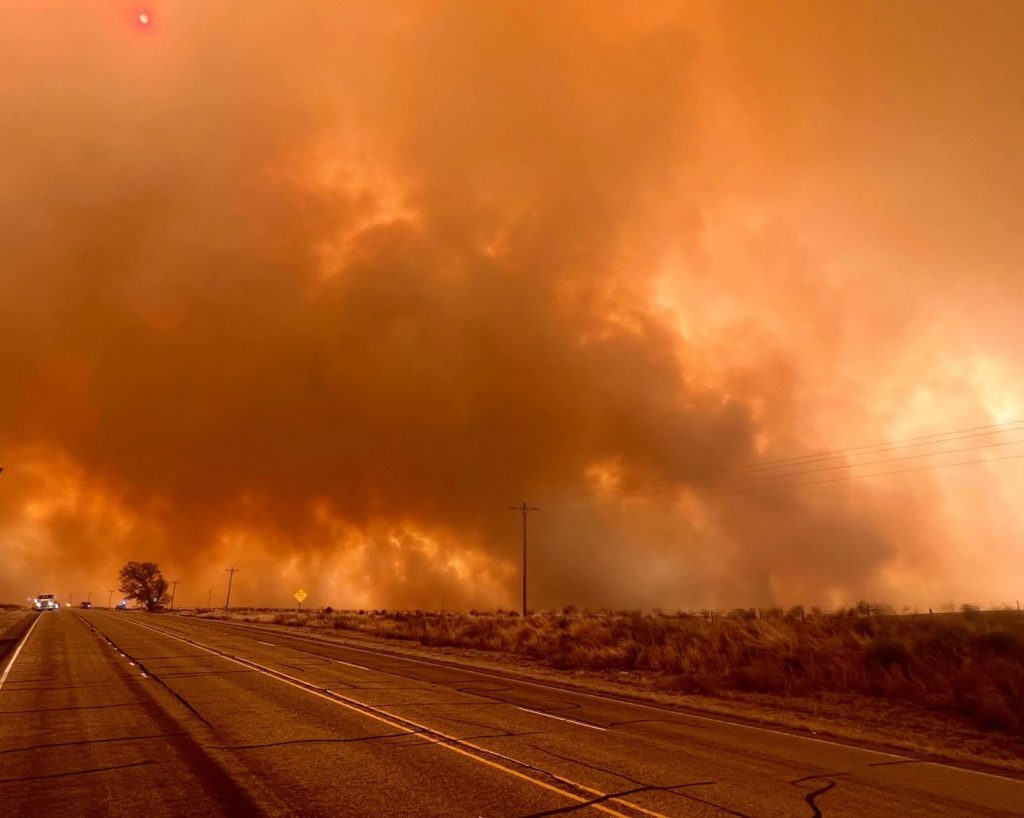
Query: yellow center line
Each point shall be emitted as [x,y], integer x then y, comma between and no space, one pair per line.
[422,731]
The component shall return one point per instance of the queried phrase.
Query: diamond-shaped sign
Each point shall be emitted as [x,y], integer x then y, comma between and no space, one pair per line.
[300,595]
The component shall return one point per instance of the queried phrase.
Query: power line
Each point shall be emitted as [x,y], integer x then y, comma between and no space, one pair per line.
[877,448]
[810,459]
[876,474]
[669,486]
[694,478]
[993,428]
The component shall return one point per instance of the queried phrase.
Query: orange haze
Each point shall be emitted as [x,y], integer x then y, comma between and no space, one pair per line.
[320,289]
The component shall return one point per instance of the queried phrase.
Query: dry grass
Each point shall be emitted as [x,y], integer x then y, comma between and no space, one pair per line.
[968,664]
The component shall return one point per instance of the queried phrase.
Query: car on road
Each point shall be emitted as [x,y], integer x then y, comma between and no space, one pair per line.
[122,605]
[45,602]
[86,604]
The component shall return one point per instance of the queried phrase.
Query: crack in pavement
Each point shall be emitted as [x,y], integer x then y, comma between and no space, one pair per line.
[9,688]
[75,772]
[381,686]
[308,741]
[88,741]
[499,732]
[153,676]
[812,796]
[61,709]
[895,763]
[456,740]
[481,689]
[670,789]
[601,799]
[183,675]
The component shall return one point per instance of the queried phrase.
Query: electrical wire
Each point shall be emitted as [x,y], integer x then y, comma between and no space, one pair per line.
[714,481]
[856,451]
[880,474]
[802,472]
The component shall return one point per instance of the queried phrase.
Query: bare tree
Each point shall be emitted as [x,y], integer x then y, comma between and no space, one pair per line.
[144,582]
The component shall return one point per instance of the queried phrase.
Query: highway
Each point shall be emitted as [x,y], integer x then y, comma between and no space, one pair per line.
[130,714]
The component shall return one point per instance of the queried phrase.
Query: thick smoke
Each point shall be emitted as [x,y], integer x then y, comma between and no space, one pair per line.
[319,290]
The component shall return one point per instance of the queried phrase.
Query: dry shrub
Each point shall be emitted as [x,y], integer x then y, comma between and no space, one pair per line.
[1002,642]
[971,662]
[760,676]
[992,713]
[888,651]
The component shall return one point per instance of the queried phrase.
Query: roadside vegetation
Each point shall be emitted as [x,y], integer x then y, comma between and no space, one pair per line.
[968,663]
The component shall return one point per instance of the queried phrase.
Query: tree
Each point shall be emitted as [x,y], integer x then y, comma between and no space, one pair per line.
[144,582]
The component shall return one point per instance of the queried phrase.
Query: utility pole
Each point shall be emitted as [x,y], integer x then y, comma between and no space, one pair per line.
[231,576]
[110,598]
[174,590]
[525,509]
[209,599]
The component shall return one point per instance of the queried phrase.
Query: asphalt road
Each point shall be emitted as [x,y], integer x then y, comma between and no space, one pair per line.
[108,713]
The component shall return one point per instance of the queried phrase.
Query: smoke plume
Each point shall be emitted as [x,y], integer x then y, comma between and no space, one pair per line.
[321,290]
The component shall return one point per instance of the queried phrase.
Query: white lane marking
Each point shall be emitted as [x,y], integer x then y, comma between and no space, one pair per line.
[626,702]
[268,644]
[562,718]
[946,768]
[359,667]
[683,714]
[17,650]
[418,730]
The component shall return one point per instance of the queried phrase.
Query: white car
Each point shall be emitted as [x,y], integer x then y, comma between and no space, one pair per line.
[46,602]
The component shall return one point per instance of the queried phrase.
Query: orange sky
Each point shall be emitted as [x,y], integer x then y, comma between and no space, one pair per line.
[319,289]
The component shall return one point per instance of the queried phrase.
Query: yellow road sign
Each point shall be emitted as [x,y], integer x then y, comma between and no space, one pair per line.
[300,595]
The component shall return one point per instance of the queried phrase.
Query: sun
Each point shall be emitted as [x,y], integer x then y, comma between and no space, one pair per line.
[144,18]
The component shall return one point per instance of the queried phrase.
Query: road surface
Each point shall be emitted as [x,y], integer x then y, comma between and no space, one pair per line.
[130,714]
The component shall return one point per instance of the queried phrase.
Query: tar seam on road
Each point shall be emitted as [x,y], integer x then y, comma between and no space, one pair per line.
[812,796]
[88,741]
[17,651]
[77,772]
[671,789]
[448,742]
[146,674]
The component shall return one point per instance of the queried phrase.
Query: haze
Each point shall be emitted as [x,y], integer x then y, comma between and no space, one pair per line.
[318,290]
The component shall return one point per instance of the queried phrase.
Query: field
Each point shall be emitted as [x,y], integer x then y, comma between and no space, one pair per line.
[967,665]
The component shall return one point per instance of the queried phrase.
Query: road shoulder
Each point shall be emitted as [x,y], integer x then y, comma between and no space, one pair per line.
[858,721]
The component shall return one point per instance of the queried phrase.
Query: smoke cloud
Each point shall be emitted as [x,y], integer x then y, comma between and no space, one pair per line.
[320,290]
